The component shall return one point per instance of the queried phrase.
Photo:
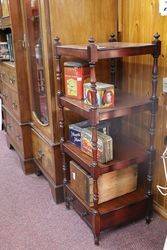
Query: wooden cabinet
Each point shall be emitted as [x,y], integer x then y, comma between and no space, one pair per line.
[14,86]
[130,206]
[40,27]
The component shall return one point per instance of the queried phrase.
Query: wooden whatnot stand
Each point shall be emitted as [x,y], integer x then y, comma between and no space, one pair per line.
[131,206]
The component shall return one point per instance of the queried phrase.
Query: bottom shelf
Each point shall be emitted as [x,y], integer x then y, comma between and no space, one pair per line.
[113,213]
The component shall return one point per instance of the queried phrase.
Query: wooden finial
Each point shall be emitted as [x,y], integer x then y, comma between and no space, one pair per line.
[91,40]
[156,37]
[112,38]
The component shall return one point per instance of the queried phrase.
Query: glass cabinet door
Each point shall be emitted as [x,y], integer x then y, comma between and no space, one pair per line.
[39,96]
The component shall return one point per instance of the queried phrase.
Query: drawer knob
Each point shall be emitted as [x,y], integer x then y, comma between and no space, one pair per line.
[40,154]
[14,105]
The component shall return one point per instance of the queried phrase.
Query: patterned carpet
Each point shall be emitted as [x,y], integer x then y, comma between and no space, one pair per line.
[30,220]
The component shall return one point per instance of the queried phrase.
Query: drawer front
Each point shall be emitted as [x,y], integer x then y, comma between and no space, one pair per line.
[44,155]
[11,101]
[124,215]
[8,76]
[14,131]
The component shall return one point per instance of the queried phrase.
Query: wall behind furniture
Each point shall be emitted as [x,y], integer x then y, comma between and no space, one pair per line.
[138,21]
[74,21]
[84,18]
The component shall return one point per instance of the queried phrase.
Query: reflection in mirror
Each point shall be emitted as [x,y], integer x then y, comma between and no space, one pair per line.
[39,96]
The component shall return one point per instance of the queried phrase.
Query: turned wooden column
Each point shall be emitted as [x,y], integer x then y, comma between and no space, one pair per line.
[154,107]
[61,116]
[92,50]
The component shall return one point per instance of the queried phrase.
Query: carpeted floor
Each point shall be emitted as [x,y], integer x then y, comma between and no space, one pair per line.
[30,220]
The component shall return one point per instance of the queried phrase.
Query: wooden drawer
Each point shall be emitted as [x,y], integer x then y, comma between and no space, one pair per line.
[8,76]
[14,131]
[11,101]
[124,215]
[43,154]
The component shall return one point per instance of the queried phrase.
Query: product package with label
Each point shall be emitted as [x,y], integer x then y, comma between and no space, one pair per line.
[105,94]
[75,75]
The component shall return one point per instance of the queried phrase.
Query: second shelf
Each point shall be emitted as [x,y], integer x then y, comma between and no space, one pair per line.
[125,104]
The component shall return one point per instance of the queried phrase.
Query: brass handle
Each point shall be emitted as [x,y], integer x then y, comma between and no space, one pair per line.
[18,137]
[40,154]
[14,105]
[12,81]
[3,74]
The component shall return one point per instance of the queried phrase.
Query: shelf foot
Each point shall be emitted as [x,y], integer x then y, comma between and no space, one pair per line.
[96,240]
[38,172]
[148,220]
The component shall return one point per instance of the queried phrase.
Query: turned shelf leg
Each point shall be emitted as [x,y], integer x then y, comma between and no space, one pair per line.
[151,150]
[96,239]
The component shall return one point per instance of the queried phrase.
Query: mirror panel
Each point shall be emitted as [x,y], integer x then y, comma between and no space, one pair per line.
[39,96]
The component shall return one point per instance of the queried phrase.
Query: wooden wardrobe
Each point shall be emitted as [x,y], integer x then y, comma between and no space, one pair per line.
[73,23]
[14,85]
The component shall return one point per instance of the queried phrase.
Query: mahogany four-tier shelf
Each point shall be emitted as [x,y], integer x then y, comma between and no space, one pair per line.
[136,204]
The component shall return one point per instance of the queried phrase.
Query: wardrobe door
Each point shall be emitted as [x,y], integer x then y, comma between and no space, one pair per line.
[36,59]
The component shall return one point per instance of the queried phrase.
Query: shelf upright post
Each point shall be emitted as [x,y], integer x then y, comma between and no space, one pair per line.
[112,39]
[61,116]
[93,58]
[154,107]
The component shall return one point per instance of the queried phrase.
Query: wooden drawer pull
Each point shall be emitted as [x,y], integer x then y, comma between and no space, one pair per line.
[40,154]
[14,105]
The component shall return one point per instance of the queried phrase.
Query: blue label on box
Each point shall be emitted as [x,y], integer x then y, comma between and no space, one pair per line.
[75,137]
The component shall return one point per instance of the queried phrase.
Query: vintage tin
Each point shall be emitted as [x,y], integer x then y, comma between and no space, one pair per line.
[105,94]
[75,132]
[76,128]
[104,144]
[75,75]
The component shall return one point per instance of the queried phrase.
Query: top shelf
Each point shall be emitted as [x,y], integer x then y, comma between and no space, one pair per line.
[106,50]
